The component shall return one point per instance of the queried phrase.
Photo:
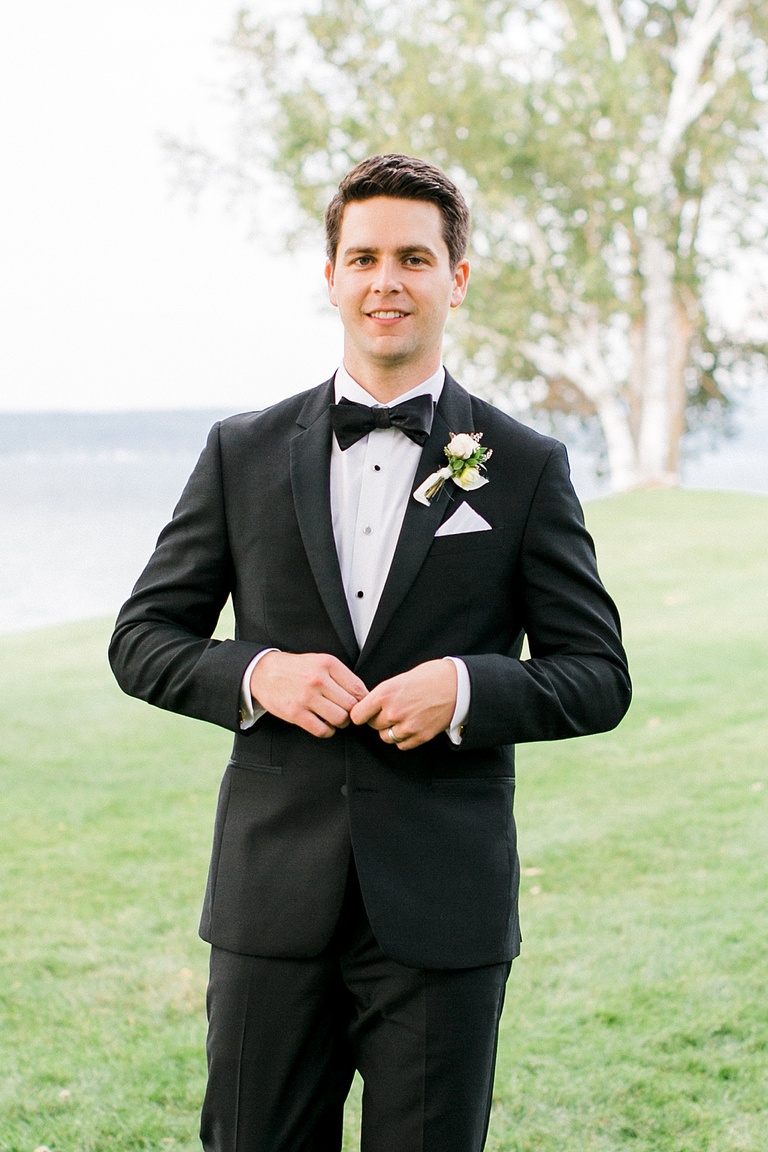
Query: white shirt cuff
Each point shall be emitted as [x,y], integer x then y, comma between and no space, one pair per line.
[250,709]
[463,698]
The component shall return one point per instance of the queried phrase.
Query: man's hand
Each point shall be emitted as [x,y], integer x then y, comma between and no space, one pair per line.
[313,690]
[411,708]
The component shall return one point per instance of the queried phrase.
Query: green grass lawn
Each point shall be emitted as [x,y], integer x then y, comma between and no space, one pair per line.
[637,1016]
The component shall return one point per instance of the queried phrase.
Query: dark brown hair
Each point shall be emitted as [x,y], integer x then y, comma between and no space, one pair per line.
[404,178]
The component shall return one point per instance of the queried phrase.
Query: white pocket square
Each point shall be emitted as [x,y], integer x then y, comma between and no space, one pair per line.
[464,519]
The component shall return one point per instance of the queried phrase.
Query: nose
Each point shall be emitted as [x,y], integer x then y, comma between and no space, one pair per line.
[386,277]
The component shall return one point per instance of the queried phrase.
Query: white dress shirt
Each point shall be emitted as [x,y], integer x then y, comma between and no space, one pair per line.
[371,483]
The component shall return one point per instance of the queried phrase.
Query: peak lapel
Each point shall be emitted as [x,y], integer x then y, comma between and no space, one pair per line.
[310,480]
[453,414]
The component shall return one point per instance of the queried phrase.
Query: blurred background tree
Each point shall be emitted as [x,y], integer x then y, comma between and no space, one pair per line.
[614,156]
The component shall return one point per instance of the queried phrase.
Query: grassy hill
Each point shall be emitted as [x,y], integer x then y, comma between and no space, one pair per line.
[637,1016]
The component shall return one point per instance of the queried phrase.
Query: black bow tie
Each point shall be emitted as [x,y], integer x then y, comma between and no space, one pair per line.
[352,421]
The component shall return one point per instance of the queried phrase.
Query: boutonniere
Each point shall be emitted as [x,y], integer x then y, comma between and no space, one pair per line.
[466,458]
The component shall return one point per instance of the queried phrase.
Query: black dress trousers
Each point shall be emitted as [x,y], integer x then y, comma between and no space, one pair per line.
[285,1037]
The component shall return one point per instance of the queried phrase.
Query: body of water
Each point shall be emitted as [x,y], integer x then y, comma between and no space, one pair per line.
[82,500]
[84,496]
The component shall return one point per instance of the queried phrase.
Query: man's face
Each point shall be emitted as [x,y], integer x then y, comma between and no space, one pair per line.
[393,285]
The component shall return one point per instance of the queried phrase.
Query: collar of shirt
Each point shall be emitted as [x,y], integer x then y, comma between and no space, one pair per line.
[344,385]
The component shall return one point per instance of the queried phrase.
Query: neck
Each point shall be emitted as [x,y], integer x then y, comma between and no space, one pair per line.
[385,384]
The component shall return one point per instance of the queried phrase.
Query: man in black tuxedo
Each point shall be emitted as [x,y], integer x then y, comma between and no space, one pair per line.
[362,895]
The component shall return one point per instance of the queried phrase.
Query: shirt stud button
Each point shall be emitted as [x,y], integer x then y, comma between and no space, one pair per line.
[377,468]
[367,531]
[360,595]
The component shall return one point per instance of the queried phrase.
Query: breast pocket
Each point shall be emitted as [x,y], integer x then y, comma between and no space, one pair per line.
[468,543]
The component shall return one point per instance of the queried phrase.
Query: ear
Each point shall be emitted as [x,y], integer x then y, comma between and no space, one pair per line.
[330,282]
[460,282]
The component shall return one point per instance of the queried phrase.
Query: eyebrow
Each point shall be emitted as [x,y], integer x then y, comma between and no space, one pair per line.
[408,250]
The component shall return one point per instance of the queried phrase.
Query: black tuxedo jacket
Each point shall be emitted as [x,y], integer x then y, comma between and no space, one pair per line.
[432,830]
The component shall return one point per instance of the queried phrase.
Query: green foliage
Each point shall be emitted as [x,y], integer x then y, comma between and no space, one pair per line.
[636,1016]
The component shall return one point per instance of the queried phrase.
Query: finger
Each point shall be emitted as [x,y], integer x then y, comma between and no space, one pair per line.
[409,733]
[335,696]
[364,711]
[315,726]
[382,722]
[404,743]
[395,733]
[339,695]
[330,712]
[346,679]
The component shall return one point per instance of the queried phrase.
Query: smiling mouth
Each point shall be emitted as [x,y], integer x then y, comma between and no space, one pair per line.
[381,315]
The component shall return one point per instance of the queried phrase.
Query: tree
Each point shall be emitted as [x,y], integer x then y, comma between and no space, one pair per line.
[614,156]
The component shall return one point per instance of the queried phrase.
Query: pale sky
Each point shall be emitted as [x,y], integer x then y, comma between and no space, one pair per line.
[113,293]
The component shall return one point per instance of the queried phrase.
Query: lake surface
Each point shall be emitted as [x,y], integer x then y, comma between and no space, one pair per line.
[82,500]
[83,497]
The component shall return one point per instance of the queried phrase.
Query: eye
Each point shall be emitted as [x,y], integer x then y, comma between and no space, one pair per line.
[415,260]
[363,261]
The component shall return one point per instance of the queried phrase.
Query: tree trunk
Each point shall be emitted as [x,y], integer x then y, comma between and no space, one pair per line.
[655,430]
[682,343]
[622,454]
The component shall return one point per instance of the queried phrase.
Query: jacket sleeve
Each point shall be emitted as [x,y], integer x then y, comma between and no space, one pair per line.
[161,649]
[576,681]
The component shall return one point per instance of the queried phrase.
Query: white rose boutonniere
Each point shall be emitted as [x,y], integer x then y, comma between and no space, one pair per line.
[462,445]
[466,459]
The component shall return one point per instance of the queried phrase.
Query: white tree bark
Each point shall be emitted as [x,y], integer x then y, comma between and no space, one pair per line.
[653,439]
[614,33]
[620,447]
[688,99]
[584,367]
[656,368]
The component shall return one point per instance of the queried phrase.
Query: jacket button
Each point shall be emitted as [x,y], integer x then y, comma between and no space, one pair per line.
[343,789]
